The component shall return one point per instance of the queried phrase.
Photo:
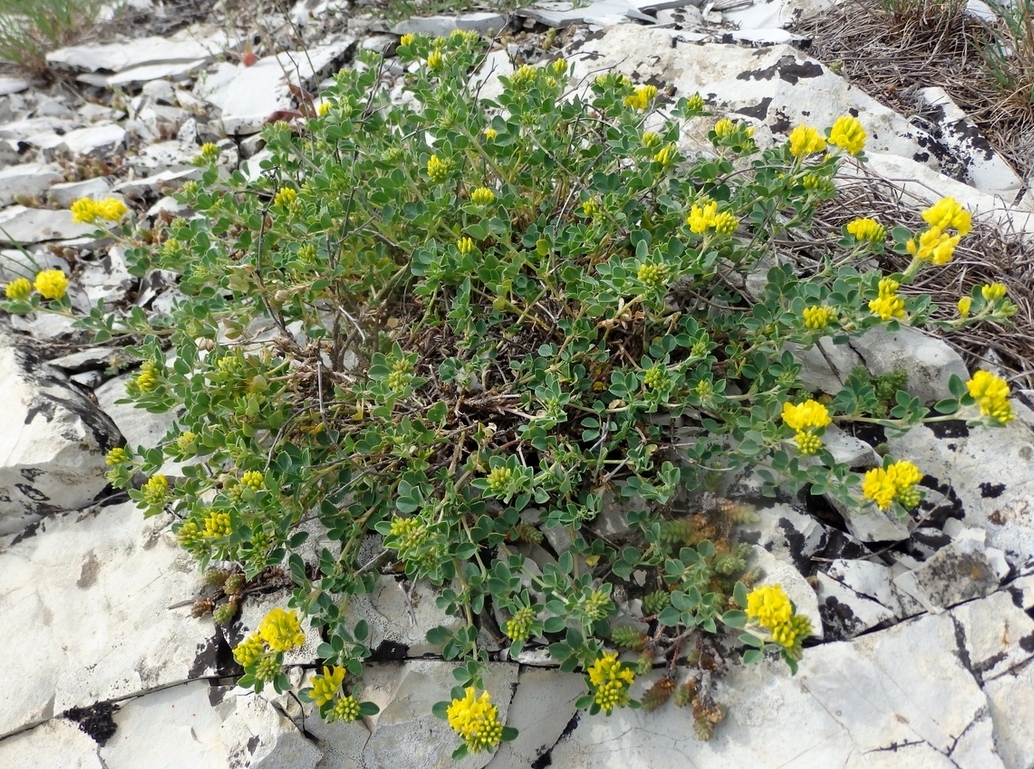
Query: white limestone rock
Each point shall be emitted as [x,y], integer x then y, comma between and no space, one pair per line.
[997,635]
[90,595]
[846,612]
[94,140]
[399,615]
[602,13]
[256,735]
[796,586]
[24,226]
[118,57]
[959,572]
[248,96]
[987,473]
[55,743]
[27,180]
[66,193]
[928,362]
[53,440]
[176,727]
[435,26]
[787,533]
[1010,699]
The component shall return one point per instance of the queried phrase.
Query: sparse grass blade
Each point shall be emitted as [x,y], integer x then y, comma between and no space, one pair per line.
[29,29]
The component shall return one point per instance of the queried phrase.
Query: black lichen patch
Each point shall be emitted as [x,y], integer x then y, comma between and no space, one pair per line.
[389,651]
[213,658]
[839,622]
[991,490]
[95,720]
[936,513]
[954,428]
[787,68]
[759,110]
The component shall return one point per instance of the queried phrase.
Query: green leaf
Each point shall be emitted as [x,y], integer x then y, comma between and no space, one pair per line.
[734,618]
[752,655]
[739,594]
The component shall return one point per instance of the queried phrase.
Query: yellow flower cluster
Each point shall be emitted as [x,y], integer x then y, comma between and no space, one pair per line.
[253,480]
[281,630]
[490,133]
[285,196]
[935,244]
[651,139]
[706,217]
[324,109]
[437,169]
[992,396]
[895,482]
[149,377]
[116,457]
[51,284]
[476,720]
[325,687]
[345,709]
[848,134]
[725,128]
[642,96]
[611,680]
[249,650]
[407,39]
[866,229]
[435,59]
[518,628]
[86,211]
[770,607]
[18,290]
[817,317]
[805,140]
[888,304]
[217,525]
[499,479]
[465,245]
[156,490]
[807,420]
[965,303]
[992,292]
[652,275]
[665,155]
[482,196]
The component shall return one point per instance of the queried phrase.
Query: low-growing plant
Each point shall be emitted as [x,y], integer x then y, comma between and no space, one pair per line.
[30,29]
[491,323]
[1010,55]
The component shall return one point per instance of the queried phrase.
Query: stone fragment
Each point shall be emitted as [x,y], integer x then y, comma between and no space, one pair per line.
[118,57]
[787,533]
[256,735]
[399,615]
[53,440]
[845,612]
[435,26]
[928,362]
[1010,699]
[248,96]
[94,140]
[28,180]
[91,594]
[58,742]
[957,573]
[66,193]
[22,226]
[602,13]
[10,84]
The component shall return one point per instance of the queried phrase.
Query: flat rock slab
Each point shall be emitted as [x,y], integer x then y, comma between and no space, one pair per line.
[248,96]
[23,226]
[53,440]
[117,57]
[90,594]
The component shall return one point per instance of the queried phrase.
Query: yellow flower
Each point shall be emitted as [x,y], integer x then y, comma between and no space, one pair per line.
[52,284]
[992,396]
[281,630]
[769,606]
[665,155]
[149,377]
[155,490]
[805,140]
[253,480]
[897,481]
[209,152]
[810,415]
[115,457]
[611,680]
[652,275]
[83,211]
[724,128]
[285,196]
[888,304]
[651,139]
[112,209]
[435,60]
[559,66]
[848,134]
[476,720]
[964,305]
[518,628]
[947,213]
[217,525]
[249,650]
[407,39]
[701,218]
[695,102]
[817,317]
[437,169]
[465,245]
[325,687]
[482,196]
[790,634]
[934,245]
[323,109]
[18,290]
[490,133]
[642,96]
[992,292]
[866,229]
